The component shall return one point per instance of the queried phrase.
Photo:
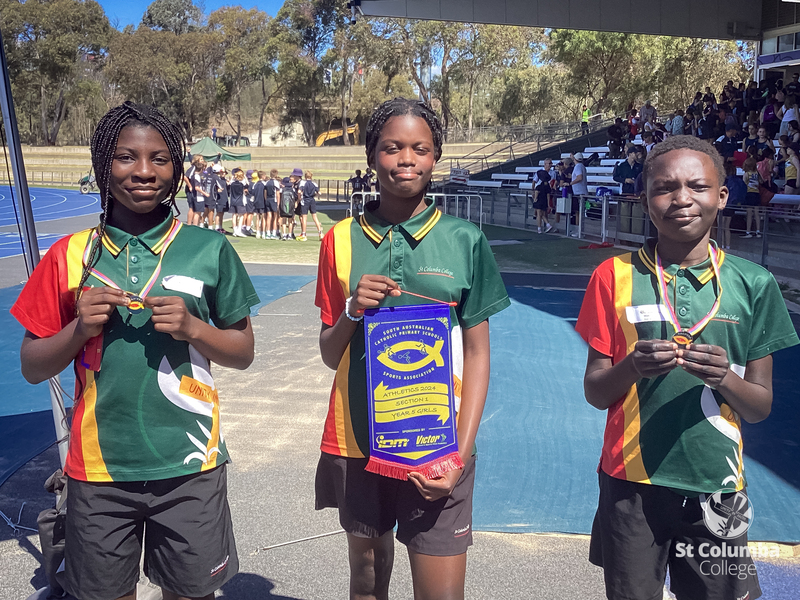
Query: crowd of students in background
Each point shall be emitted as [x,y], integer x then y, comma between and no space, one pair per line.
[741,123]
[261,205]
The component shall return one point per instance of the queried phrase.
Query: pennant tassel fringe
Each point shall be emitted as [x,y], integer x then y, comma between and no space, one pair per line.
[430,470]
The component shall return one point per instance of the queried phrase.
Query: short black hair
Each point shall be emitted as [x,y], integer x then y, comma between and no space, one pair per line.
[684,142]
[399,107]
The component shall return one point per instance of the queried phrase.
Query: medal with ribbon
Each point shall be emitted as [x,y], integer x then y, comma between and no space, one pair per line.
[136,303]
[684,337]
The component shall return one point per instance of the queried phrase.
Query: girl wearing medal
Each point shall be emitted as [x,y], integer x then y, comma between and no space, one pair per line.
[129,303]
[680,338]
[403,243]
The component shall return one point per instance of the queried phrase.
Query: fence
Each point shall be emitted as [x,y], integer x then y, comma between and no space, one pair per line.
[620,220]
[331,190]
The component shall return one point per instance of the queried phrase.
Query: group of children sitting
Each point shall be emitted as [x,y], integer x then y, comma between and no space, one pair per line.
[254,199]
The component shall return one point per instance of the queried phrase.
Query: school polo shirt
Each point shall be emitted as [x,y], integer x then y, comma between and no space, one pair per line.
[431,254]
[149,408]
[673,430]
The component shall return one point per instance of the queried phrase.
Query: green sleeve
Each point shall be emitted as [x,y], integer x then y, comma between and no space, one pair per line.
[772,328]
[235,294]
[487,294]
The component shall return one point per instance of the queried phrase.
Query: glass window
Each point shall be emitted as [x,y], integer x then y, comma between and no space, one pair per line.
[797,40]
[769,46]
[786,43]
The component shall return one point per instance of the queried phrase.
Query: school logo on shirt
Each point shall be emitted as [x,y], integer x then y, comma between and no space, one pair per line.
[435,271]
[728,318]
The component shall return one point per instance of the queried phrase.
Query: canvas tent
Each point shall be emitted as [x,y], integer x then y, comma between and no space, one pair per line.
[209,150]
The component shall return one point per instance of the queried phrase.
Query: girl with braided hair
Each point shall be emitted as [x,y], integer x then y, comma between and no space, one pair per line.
[129,303]
[403,240]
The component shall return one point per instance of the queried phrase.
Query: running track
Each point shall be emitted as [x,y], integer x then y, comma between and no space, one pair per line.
[49,204]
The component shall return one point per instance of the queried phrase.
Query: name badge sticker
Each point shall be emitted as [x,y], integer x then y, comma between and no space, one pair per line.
[646,313]
[181,283]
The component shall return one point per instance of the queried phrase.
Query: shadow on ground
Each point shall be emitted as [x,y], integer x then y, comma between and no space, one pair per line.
[246,586]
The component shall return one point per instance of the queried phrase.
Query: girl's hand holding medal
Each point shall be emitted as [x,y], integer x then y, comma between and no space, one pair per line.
[171,316]
[94,309]
[652,358]
[706,362]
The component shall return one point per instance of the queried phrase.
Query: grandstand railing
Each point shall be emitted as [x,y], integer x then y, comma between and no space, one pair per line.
[621,221]
[543,135]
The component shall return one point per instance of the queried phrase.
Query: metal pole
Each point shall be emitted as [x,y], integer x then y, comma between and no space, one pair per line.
[604,220]
[30,243]
[764,237]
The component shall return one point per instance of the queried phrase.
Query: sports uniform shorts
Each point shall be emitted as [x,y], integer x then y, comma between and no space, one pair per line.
[752,199]
[222,204]
[196,202]
[728,212]
[540,199]
[272,205]
[238,209]
[259,210]
[635,536]
[210,202]
[185,524]
[370,505]
[249,208]
[308,205]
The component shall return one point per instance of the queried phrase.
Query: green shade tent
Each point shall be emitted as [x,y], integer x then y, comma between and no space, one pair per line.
[209,150]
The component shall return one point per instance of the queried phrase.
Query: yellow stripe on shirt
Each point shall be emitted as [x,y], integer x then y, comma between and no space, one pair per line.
[623,295]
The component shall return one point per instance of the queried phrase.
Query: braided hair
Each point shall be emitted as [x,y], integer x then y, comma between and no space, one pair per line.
[400,107]
[104,145]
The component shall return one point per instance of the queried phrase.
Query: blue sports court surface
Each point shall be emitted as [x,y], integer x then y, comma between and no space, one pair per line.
[48,204]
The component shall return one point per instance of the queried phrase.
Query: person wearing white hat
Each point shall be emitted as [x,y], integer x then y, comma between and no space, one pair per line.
[579,187]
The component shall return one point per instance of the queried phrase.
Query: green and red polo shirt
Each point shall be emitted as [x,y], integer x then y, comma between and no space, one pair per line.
[431,254]
[147,405]
[673,430]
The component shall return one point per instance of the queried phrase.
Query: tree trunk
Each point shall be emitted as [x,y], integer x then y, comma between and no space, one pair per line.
[345,100]
[469,108]
[238,119]
[263,110]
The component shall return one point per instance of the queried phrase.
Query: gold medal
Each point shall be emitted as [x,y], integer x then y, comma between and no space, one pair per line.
[683,338]
[136,304]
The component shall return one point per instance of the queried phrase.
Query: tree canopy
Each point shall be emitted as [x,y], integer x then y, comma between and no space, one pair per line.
[242,70]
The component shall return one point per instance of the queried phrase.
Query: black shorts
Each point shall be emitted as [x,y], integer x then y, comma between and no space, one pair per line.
[249,208]
[222,205]
[308,205]
[640,529]
[259,210]
[210,202]
[752,199]
[272,205]
[792,183]
[197,202]
[238,209]
[540,200]
[185,523]
[728,212]
[370,505]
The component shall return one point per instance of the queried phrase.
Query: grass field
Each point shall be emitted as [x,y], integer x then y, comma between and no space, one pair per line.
[533,252]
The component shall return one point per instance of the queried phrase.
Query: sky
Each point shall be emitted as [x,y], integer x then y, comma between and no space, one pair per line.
[129,12]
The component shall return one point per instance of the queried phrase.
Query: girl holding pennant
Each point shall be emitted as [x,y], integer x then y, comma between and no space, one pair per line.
[403,243]
[129,303]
